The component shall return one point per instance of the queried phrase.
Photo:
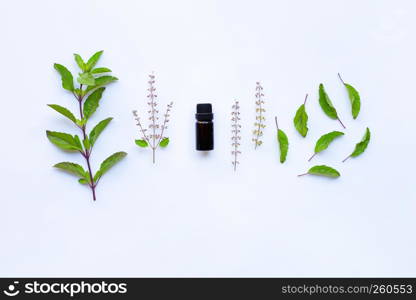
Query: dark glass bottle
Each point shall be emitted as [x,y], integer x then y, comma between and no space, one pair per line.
[204,127]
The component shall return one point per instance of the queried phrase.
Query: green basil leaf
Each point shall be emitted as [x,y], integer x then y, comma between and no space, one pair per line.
[83,181]
[80,61]
[93,60]
[86,142]
[283,144]
[87,79]
[100,70]
[109,163]
[301,120]
[96,131]
[141,143]
[361,146]
[72,168]
[64,141]
[164,142]
[92,102]
[323,171]
[354,99]
[327,106]
[324,141]
[101,81]
[64,111]
[66,77]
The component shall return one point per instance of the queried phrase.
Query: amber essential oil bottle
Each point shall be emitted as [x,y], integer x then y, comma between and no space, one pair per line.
[204,127]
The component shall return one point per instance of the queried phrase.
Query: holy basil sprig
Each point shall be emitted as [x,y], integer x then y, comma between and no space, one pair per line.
[88,95]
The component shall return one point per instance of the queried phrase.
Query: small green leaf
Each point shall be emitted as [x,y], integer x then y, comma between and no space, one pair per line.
[78,142]
[100,70]
[109,163]
[66,77]
[164,142]
[283,144]
[325,140]
[101,81]
[301,120]
[326,105]
[83,181]
[354,98]
[81,123]
[92,102]
[64,141]
[86,142]
[361,146]
[323,171]
[87,79]
[72,168]
[64,111]
[93,60]
[141,143]
[80,61]
[96,131]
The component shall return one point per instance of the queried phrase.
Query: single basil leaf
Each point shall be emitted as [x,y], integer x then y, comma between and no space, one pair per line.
[101,81]
[100,70]
[83,181]
[355,100]
[64,111]
[93,60]
[283,144]
[301,120]
[164,142]
[323,171]
[80,61]
[324,141]
[72,168]
[96,131]
[141,143]
[78,142]
[109,163]
[66,77]
[86,142]
[92,102]
[326,103]
[64,141]
[87,79]
[361,146]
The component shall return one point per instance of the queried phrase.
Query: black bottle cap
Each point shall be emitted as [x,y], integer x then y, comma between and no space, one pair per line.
[204,112]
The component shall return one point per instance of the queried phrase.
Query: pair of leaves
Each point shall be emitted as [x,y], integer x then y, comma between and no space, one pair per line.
[108,163]
[323,170]
[354,98]
[64,141]
[301,119]
[325,140]
[143,143]
[326,105]
[86,67]
[362,145]
[283,144]
[84,176]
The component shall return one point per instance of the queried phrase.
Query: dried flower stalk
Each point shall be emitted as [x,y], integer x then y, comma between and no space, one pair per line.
[235,132]
[259,124]
[155,137]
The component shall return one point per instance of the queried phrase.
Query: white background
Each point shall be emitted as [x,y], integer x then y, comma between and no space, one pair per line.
[190,214]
